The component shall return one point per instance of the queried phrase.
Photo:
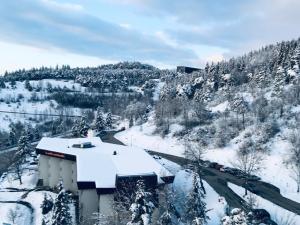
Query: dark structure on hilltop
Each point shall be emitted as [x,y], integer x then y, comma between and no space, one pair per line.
[186,69]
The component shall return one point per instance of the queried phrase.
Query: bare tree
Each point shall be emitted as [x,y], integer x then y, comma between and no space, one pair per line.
[14,214]
[194,152]
[241,107]
[200,111]
[294,158]
[248,159]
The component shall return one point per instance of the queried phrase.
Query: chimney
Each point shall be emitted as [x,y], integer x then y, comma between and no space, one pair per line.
[90,133]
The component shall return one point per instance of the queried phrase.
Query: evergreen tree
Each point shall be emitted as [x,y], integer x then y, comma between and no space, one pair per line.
[61,210]
[170,215]
[195,206]
[236,217]
[80,127]
[131,121]
[280,77]
[2,84]
[47,204]
[295,60]
[108,121]
[23,150]
[28,85]
[99,122]
[143,206]
[24,146]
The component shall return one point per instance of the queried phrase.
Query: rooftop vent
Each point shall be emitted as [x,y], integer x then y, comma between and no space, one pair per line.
[115,153]
[83,145]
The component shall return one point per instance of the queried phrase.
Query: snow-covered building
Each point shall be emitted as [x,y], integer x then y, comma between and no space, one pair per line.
[186,69]
[94,170]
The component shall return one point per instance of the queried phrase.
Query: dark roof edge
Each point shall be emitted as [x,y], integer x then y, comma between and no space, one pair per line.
[56,154]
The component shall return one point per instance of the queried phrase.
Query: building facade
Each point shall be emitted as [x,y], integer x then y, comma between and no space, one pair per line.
[94,171]
[186,69]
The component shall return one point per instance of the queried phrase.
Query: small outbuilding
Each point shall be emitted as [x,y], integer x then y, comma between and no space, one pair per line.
[186,69]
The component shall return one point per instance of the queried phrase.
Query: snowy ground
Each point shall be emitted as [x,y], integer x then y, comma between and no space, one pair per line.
[277,213]
[23,192]
[142,136]
[11,101]
[274,167]
[21,212]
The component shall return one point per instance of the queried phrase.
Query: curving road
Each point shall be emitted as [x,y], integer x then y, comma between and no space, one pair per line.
[218,181]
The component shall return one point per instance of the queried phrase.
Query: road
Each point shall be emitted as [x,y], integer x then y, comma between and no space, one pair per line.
[219,182]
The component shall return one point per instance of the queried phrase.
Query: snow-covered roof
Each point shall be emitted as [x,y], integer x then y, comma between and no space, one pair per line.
[99,164]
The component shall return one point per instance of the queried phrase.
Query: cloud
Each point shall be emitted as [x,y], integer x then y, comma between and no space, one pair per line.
[236,25]
[47,24]
[163,32]
[16,56]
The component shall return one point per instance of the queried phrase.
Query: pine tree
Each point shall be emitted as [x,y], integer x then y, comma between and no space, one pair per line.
[108,121]
[143,206]
[236,217]
[131,121]
[80,127]
[23,151]
[170,215]
[28,85]
[295,60]
[24,147]
[195,206]
[61,210]
[279,81]
[47,204]
[2,84]
[99,122]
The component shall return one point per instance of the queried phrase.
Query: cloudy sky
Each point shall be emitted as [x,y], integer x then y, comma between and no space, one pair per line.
[164,33]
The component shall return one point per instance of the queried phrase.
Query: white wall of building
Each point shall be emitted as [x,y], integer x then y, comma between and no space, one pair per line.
[52,169]
[106,204]
[88,203]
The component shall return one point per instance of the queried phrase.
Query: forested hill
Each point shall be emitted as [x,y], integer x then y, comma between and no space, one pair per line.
[112,77]
[274,65]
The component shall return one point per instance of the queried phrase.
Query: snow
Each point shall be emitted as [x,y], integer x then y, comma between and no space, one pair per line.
[274,169]
[99,163]
[26,105]
[221,107]
[29,179]
[157,90]
[36,199]
[143,137]
[216,204]
[136,89]
[23,214]
[24,192]
[276,212]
